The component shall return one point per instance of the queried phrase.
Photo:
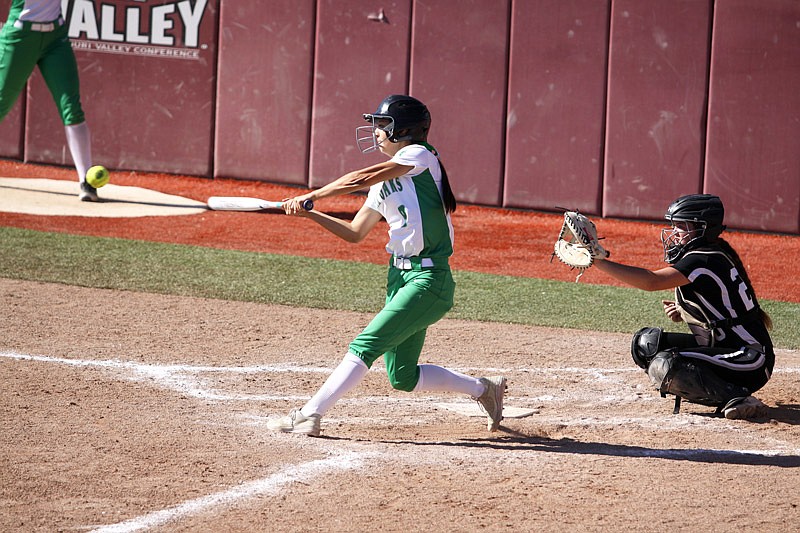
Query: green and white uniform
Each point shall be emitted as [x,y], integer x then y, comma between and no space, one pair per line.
[35,34]
[420,286]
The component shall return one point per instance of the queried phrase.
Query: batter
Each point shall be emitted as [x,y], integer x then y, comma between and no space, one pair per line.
[412,193]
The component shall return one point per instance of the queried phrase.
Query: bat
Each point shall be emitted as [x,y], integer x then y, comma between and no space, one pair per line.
[246,203]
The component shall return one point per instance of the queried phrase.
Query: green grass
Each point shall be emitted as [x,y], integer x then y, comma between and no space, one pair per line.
[328,284]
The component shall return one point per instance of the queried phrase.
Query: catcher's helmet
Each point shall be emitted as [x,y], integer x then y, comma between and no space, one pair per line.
[704,212]
[408,120]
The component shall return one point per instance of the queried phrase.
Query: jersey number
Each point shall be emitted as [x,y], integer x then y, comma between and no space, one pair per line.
[402,210]
[744,291]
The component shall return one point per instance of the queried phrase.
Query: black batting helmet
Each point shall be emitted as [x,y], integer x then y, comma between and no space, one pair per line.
[409,120]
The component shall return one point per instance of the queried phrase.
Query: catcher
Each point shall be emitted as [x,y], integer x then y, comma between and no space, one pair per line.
[729,354]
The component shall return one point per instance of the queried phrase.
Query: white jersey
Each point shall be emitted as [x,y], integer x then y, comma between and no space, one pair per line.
[37,10]
[412,204]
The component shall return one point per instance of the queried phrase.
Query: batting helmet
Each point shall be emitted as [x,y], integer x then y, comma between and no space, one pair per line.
[408,120]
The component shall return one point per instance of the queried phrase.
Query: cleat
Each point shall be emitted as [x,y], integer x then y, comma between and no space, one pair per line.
[491,401]
[88,193]
[296,422]
[743,408]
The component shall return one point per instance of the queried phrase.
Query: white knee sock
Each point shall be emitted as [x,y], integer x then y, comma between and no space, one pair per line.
[344,378]
[437,378]
[80,146]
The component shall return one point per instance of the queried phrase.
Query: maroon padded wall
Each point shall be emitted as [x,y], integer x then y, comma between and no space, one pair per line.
[753,153]
[264,80]
[556,101]
[146,87]
[614,107]
[360,58]
[655,125]
[459,69]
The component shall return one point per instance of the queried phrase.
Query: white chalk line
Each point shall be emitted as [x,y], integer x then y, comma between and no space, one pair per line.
[185,379]
[259,487]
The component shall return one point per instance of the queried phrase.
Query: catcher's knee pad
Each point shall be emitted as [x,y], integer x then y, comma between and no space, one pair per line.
[646,343]
[695,382]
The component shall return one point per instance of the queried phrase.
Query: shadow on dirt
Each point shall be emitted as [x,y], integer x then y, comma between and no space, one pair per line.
[783,414]
[515,441]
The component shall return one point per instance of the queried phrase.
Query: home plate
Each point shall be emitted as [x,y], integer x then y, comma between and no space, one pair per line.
[473,409]
[35,196]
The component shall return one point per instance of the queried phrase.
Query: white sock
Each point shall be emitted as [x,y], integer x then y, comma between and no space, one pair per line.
[344,378]
[437,378]
[80,146]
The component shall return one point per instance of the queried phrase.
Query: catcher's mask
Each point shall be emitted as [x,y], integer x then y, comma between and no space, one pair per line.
[695,219]
[402,117]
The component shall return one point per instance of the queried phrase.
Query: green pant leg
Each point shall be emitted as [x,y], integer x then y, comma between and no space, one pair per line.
[402,362]
[415,300]
[19,52]
[60,72]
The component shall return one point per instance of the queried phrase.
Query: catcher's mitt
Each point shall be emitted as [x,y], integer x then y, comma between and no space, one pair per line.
[577,244]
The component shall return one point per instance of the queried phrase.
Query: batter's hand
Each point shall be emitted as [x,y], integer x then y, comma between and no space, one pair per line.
[295,206]
[671,310]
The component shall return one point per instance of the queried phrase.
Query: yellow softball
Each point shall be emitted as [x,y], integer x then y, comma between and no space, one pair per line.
[97,176]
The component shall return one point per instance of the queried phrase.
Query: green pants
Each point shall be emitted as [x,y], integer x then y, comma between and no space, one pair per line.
[415,299]
[22,49]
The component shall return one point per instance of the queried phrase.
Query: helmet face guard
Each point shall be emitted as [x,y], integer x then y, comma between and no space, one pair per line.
[695,219]
[676,238]
[365,135]
[402,117]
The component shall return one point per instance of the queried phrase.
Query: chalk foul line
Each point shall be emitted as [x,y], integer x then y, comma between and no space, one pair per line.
[260,487]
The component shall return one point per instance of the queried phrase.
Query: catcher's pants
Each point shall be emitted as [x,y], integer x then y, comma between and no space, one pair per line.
[743,367]
[23,46]
[415,299]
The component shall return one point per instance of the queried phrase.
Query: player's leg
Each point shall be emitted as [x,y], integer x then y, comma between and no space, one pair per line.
[676,365]
[422,306]
[647,342]
[415,300]
[487,391]
[694,380]
[345,377]
[79,141]
[387,327]
[60,72]
[19,52]
[718,377]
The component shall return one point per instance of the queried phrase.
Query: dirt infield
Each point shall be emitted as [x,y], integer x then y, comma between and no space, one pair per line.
[156,420]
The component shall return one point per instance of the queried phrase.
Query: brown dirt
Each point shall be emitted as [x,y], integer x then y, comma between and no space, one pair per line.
[156,420]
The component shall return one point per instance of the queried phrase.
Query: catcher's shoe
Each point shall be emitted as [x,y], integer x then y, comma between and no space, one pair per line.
[88,193]
[296,422]
[742,408]
[491,401]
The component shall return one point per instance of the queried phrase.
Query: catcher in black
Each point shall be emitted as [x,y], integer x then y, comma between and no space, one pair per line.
[728,355]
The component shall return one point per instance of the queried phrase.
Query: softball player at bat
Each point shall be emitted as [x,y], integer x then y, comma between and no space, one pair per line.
[36,34]
[411,191]
[729,354]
